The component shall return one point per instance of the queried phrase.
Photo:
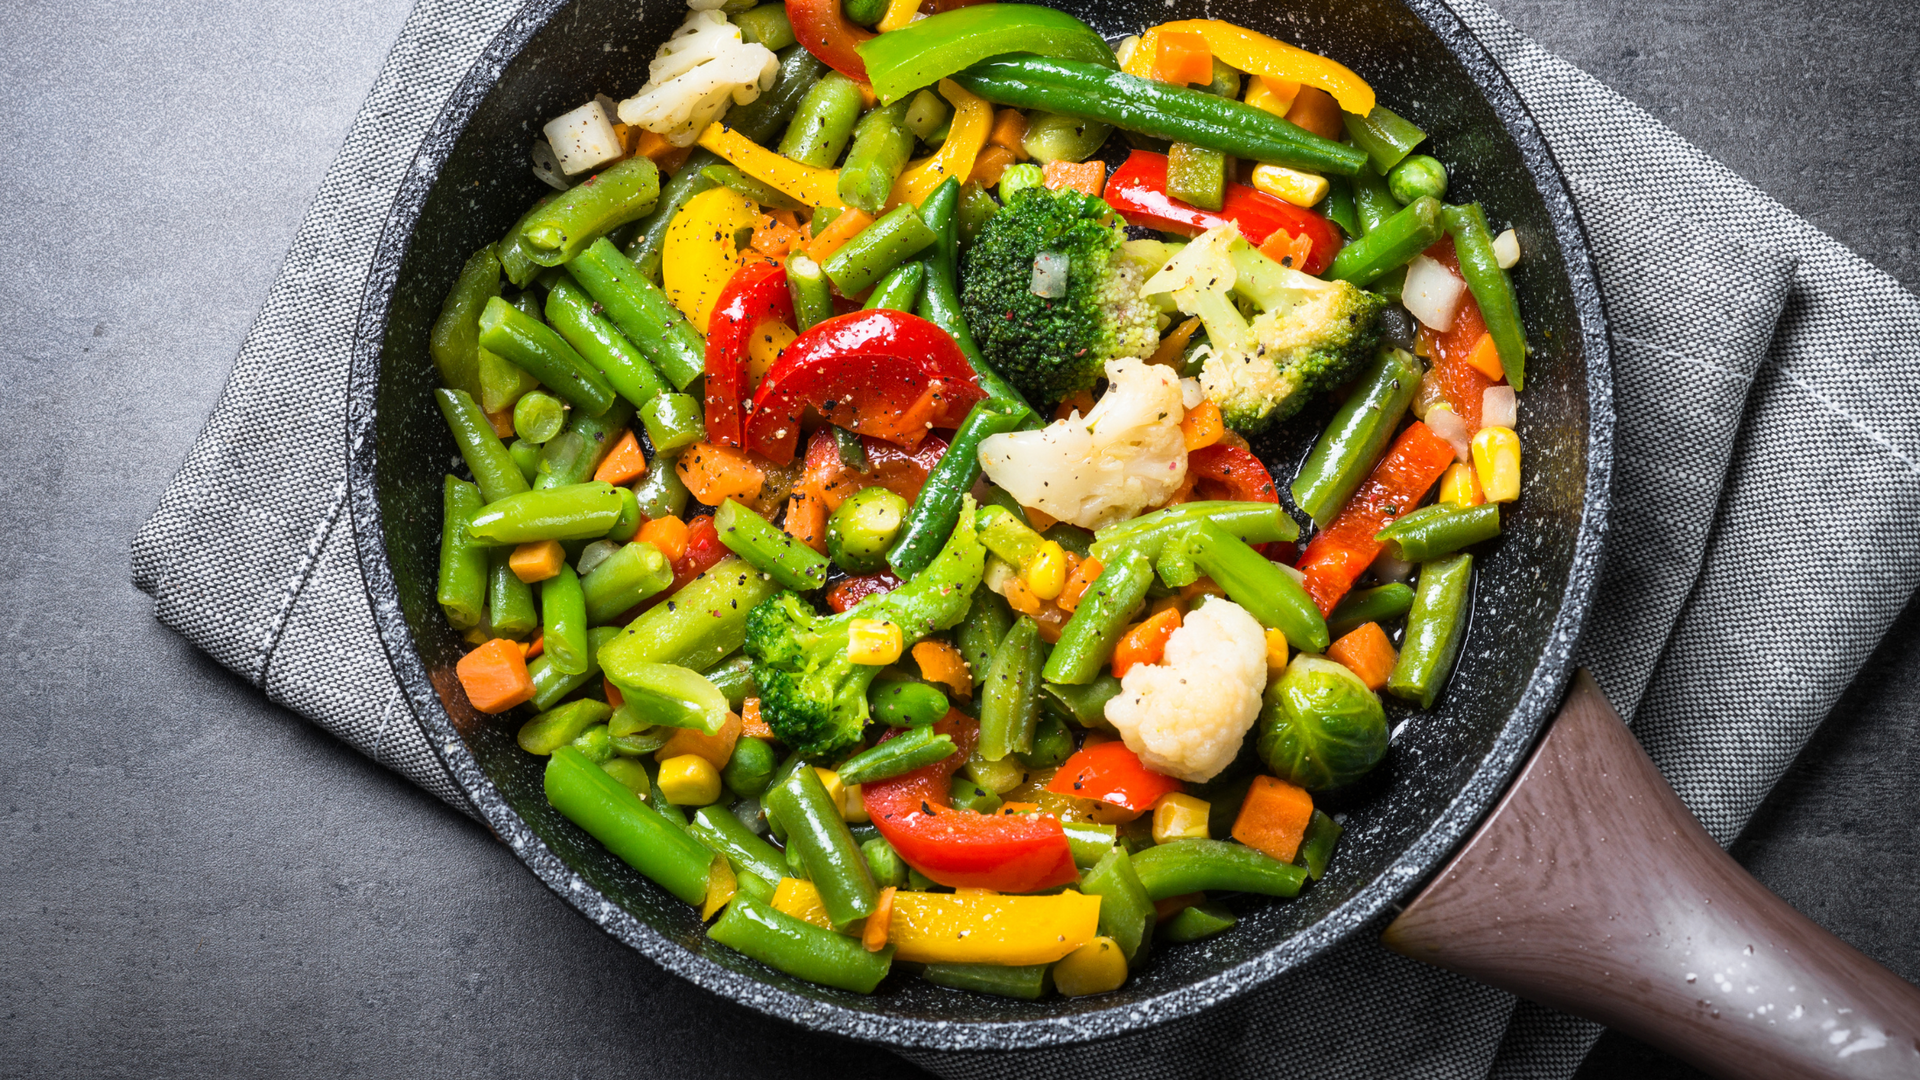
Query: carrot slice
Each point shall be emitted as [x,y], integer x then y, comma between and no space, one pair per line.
[1183,58]
[751,725]
[715,474]
[624,463]
[835,236]
[1273,819]
[668,534]
[1087,177]
[716,748]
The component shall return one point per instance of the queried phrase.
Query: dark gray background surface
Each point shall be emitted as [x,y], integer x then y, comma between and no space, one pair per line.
[194,882]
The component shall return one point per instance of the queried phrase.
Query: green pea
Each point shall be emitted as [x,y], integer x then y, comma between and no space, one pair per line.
[904,703]
[862,529]
[1017,177]
[1416,176]
[750,768]
[538,416]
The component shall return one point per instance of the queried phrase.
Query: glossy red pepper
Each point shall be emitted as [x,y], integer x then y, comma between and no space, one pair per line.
[1337,555]
[1138,190]
[966,849]
[757,293]
[1110,773]
[893,467]
[852,590]
[883,373]
[1228,472]
[827,34]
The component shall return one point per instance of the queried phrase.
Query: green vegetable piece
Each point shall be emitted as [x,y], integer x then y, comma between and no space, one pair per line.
[629,521]
[631,574]
[1373,201]
[884,863]
[1353,441]
[1126,913]
[1390,246]
[765,24]
[667,695]
[454,341]
[881,146]
[931,519]
[1436,627]
[897,756]
[1432,531]
[551,686]
[772,112]
[563,621]
[1089,843]
[661,493]
[572,313]
[642,312]
[1316,848]
[862,528]
[538,416]
[565,459]
[509,600]
[791,564]
[834,862]
[898,235]
[1197,922]
[750,768]
[634,832]
[926,114]
[560,726]
[573,512]
[899,290]
[758,191]
[703,623]
[526,458]
[1380,604]
[1052,744]
[1051,137]
[516,255]
[734,678]
[940,300]
[462,585]
[532,345]
[631,774]
[1491,288]
[1009,706]
[987,621]
[1384,135]
[812,293]
[822,122]
[595,744]
[1270,594]
[975,210]
[1028,983]
[1087,641]
[799,948]
[1338,206]
[1187,866]
[1149,534]
[1419,176]
[970,795]
[930,49]
[625,191]
[1197,175]
[852,450]
[492,467]
[905,703]
[726,834]
[1320,727]
[1085,705]
[650,236]
[1008,535]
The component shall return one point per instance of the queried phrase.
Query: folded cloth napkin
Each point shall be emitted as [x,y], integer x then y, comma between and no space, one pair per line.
[1766,462]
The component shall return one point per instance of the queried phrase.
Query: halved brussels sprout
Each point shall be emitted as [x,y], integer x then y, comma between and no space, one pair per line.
[1320,727]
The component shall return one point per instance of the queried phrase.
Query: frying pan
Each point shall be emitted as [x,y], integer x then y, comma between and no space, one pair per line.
[1548,865]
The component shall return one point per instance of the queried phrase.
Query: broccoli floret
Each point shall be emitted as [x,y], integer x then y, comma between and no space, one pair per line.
[1308,335]
[1054,346]
[811,695]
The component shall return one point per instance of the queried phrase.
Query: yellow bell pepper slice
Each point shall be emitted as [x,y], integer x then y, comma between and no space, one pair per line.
[972,120]
[699,254]
[721,885]
[972,926]
[899,13]
[1258,54]
[800,898]
[814,186]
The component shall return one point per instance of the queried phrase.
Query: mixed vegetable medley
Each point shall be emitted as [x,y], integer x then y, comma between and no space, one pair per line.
[862,520]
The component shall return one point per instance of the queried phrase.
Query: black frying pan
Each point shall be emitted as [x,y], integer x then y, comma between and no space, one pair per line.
[1447,766]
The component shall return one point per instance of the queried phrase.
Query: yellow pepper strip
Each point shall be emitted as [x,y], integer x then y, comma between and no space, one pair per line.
[1271,95]
[699,253]
[899,13]
[721,885]
[972,120]
[1258,54]
[800,898]
[813,186]
[976,927]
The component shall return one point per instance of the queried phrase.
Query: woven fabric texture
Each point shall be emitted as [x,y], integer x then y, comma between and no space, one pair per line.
[1765,383]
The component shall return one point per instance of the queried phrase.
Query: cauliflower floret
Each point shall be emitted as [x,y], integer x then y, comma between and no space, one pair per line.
[1122,457]
[703,67]
[1187,715]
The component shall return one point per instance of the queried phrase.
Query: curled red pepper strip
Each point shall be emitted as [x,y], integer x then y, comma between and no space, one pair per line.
[852,590]
[1339,553]
[1111,773]
[820,26]
[1138,190]
[757,293]
[1228,472]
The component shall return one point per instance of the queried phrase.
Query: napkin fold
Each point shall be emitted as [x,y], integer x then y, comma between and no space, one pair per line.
[1765,528]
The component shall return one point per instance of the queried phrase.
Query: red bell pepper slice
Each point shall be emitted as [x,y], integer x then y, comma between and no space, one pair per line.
[966,849]
[852,590]
[828,34]
[1463,385]
[1336,557]
[883,373]
[1138,190]
[1228,472]
[757,293]
[1111,773]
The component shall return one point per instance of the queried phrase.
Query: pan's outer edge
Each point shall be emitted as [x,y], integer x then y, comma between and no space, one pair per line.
[1420,860]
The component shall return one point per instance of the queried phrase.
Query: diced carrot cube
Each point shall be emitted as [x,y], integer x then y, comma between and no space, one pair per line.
[990,163]
[1087,177]
[1366,652]
[537,560]
[1286,249]
[495,676]
[1273,819]
[716,748]
[1009,129]
[715,474]
[624,463]
[668,534]
[1202,426]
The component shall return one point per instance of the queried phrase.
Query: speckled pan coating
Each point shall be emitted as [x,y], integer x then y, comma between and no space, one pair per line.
[470,180]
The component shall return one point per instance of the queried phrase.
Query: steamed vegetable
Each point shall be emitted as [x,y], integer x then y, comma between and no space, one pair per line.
[1320,727]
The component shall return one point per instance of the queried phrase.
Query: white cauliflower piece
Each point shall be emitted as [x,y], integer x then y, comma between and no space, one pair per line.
[702,68]
[1187,715]
[1122,457]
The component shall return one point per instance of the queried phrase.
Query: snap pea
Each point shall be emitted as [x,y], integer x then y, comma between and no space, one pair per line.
[734,678]
[454,341]
[1316,847]
[516,256]
[539,416]
[1196,175]
[623,579]
[987,621]
[716,827]
[1442,529]
[812,295]
[881,145]
[636,833]
[1357,435]
[1052,744]
[1030,982]
[822,122]
[573,512]
[862,528]
[561,725]
[492,467]
[1089,842]
[759,191]
[905,703]
[703,623]
[641,311]
[661,493]
[1380,604]
[649,242]
[1009,708]
[1270,594]
[899,290]
[889,870]
[1126,914]
[898,235]
[1052,137]
[1389,246]
[1491,288]
[940,300]
[1087,641]
[563,621]
[767,115]
[749,769]
[1384,135]
[765,24]
[1085,704]
[1187,866]
[462,586]
[509,600]
[1436,626]
[668,695]
[1416,176]
[629,521]
[901,754]
[1197,922]
[930,520]
[532,345]
[833,860]
[551,685]
[791,564]
[673,422]
[571,312]
[626,191]
[526,458]
[799,948]
[1254,522]
[1373,201]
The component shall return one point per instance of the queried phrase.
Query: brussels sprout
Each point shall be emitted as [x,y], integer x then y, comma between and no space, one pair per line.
[1320,727]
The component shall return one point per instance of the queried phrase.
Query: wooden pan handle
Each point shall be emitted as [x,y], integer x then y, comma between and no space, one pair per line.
[1591,889]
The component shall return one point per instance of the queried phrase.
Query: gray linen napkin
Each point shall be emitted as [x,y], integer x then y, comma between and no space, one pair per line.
[1767,463]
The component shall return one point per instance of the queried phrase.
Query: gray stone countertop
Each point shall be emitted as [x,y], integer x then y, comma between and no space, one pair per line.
[196,883]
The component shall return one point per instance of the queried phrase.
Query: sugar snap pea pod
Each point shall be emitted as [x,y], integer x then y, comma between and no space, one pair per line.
[940,299]
[623,579]
[720,830]
[1316,847]
[563,621]
[509,600]
[1390,245]
[561,725]
[770,113]
[642,312]
[1254,522]
[574,512]
[1027,983]
[889,870]
[526,458]
[1087,641]
[1089,842]
[462,585]
[833,860]
[987,621]
[538,416]
[668,695]
[1270,594]
[674,422]
[589,210]
[1357,435]
[822,122]
[551,685]
[901,754]
[734,678]
[1126,914]
[636,833]
[900,290]
[1380,604]
[1435,629]
[1491,288]
[1442,529]
[905,703]
[898,235]
[881,145]
[702,624]
[516,256]
[1052,744]
[492,467]
[812,293]
[792,564]
[799,948]
[532,345]
[661,492]
[650,241]
[765,24]
[626,368]
[931,518]
[1085,704]
[455,339]
[1187,866]
[1009,709]
[1197,922]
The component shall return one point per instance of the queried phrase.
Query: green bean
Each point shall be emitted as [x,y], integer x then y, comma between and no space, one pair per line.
[899,290]
[642,312]
[1085,704]
[881,145]
[812,294]
[931,519]
[1126,914]
[698,627]
[509,600]
[551,685]
[1009,709]
[574,512]
[1052,137]
[501,383]
[898,235]
[1491,288]
[561,725]
[905,703]
[1254,522]
[1436,626]
[563,621]
[526,458]
[539,416]
[791,564]
[1373,201]
[455,339]
[629,521]
[631,774]
[725,834]
[674,422]
[799,948]
[1197,175]
[833,860]
[766,24]
[899,755]
[1006,534]
[863,12]
[1382,603]
[1028,983]
[601,433]
[1396,240]
[626,368]
[1087,641]
[997,777]
[1418,175]
[668,695]
[626,191]
[1197,922]
[1089,843]
[1316,847]
[1072,537]
[926,114]
[565,460]
[796,864]
[532,345]
[967,794]
[734,678]
[975,210]
[940,300]
[770,113]
[987,621]
[661,492]
[516,255]
[889,870]
[862,528]
[1270,594]
[636,833]
[1384,135]
[1187,866]
[649,242]
[822,122]
[754,886]
[1442,529]
[1357,435]
[462,586]
[623,579]
[492,467]
[1052,744]
[749,769]
[758,191]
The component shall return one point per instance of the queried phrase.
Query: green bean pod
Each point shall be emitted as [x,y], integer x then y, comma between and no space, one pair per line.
[1188,866]
[1435,629]
[563,461]
[1126,913]
[1027,983]
[1442,529]
[1384,135]
[661,493]
[649,243]
[1382,603]
[532,345]
[642,312]
[771,113]
[1390,246]
[636,833]
[561,725]
[668,695]
[1198,922]
[1085,704]
[454,341]
[629,521]
[1270,594]
[1357,435]
[833,860]
[702,624]
[551,685]
[509,600]
[940,299]
[930,520]
[516,256]
[574,512]
[987,621]
[899,290]
[905,703]
[1087,641]
[799,948]
[1009,706]
[812,293]
[674,422]
[1316,847]
[881,145]
[1007,534]
[538,417]
[822,122]
[462,585]
[563,621]
[492,467]
[1491,288]
[791,564]
[905,752]
[591,439]
[898,235]
[1052,744]
[863,527]
[626,191]
[759,191]
[1373,201]
[624,579]
[1253,522]
[626,368]
[720,830]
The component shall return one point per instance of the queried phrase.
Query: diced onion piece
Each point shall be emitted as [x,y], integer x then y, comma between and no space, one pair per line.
[546,166]
[583,138]
[1049,275]
[1499,407]
[1295,573]
[1450,426]
[1190,393]
[1506,249]
[1432,293]
[1388,568]
[1428,394]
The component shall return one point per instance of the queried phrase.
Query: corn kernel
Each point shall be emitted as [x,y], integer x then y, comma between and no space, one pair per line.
[853,806]
[1496,463]
[1291,185]
[1179,817]
[836,790]
[1094,968]
[1276,653]
[689,780]
[1046,571]
[871,641]
[1459,488]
